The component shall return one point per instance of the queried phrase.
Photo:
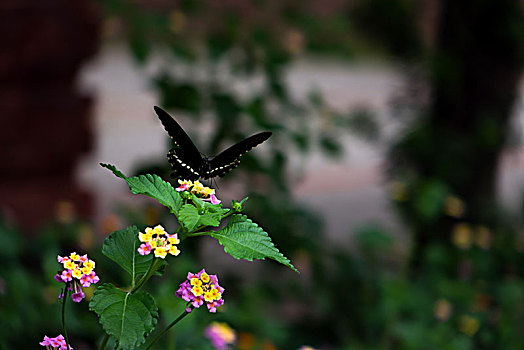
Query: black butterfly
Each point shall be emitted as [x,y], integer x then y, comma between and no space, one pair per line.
[186,160]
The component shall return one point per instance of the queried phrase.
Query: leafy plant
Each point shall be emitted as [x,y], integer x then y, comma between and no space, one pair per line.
[129,315]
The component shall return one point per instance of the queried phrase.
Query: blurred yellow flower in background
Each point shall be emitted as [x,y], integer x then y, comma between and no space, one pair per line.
[469,325]
[442,310]
[462,235]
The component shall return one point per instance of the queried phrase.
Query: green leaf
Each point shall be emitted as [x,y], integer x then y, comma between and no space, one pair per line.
[215,209]
[238,206]
[127,317]
[152,186]
[114,170]
[243,239]
[188,216]
[209,219]
[121,247]
[430,198]
[199,203]
[201,214]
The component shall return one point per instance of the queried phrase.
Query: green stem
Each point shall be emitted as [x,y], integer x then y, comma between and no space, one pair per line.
[195,234]
[184,314]
[103,345]
[229,213]
[147,276]
[64,299]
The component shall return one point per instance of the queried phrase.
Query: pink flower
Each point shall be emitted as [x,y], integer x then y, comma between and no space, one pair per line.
[46,341]
[78,272]
[67,275]
[84,280]
[57,343]
[213,199]
[93,278]
[183,187]
[201,288]
[144,249]
[220,334]
[78,296]
[58,278]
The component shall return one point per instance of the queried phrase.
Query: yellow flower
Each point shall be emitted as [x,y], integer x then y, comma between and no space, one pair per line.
[77,273]
[469,325]
[226,333]
[173,250]
[462,235]
[208,191]
[75,256]
[196,282]
[454,207]
[204,277]
[161,252]
[86,270]
[173,240]
[159,230]
[188,183]
[90,264]
[197,187]
[145,237]
[197,291]
[70,265]
[215,293]
[208,296]
[158,241]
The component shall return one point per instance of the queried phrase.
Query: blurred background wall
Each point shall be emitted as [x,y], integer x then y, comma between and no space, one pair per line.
[46,120]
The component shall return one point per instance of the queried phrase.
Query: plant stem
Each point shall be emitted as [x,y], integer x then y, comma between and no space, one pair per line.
[184,314]
[195,234]
[229,213]
[64,299]
[104,342]
[146,276]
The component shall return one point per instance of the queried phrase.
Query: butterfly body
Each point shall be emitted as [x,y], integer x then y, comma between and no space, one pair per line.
[186,160]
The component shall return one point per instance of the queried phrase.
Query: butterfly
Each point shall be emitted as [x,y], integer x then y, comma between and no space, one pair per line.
[186,161]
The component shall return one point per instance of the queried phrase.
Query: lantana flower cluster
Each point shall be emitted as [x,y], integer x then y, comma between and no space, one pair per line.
[78,272]
[56,343]
[200,288]
[220,334]
[158,240]
[198,189]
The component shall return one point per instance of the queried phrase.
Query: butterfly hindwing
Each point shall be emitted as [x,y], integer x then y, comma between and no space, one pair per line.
[185,159]
[230,158]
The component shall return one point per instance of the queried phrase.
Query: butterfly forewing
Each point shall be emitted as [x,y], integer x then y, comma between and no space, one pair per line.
[185,158]
[230,158]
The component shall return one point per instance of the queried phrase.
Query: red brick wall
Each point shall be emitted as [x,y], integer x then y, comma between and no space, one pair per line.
[45,121]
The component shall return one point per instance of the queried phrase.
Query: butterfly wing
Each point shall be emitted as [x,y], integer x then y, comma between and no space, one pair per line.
[185,159]
[230,158]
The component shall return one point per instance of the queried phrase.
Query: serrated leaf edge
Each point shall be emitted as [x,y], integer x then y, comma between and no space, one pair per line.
[286,262]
